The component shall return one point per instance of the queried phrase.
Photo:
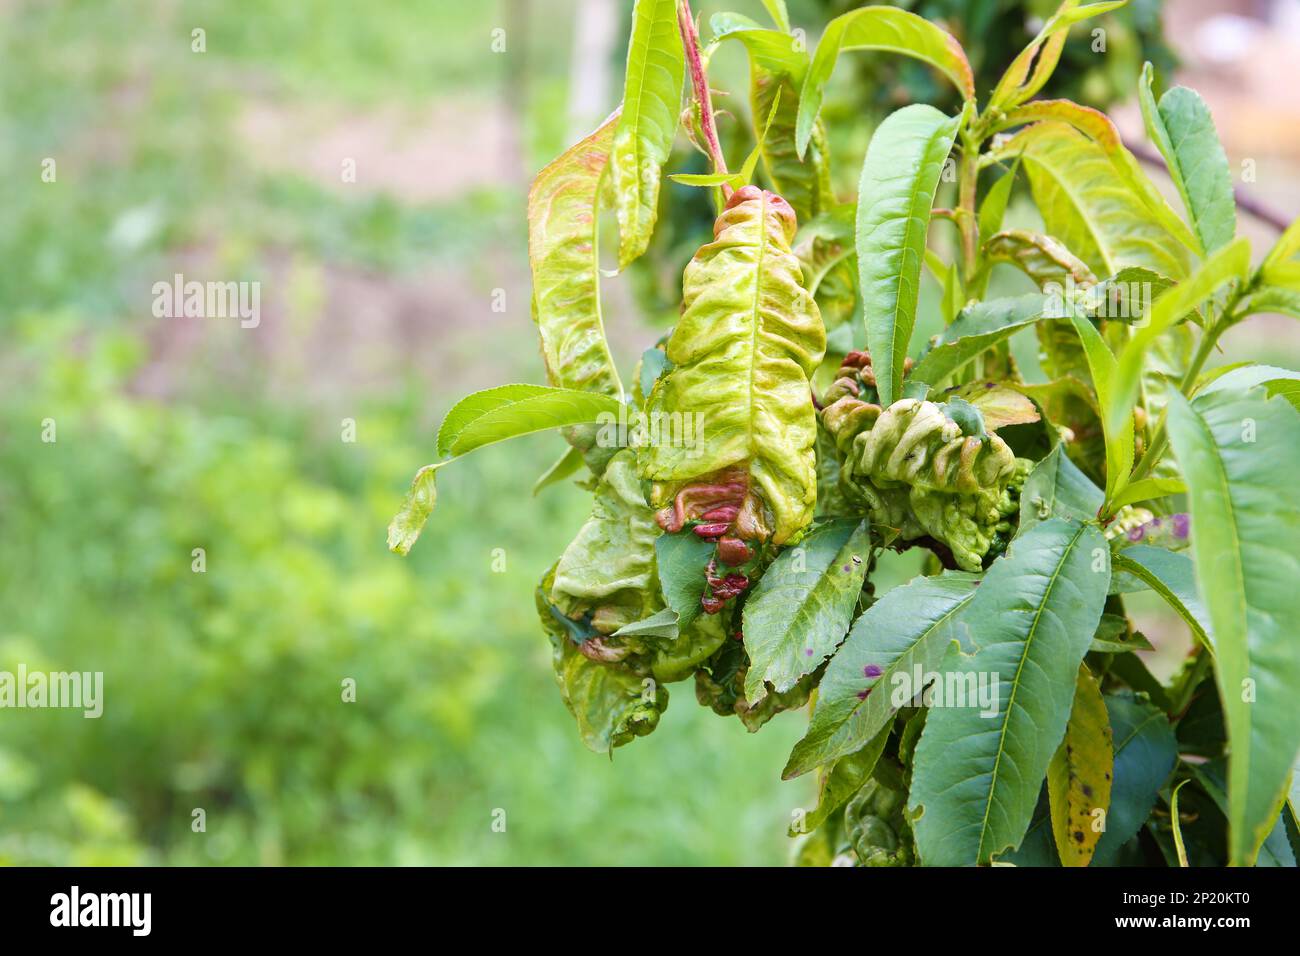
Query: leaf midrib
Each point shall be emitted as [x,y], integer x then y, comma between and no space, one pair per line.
[1015,684]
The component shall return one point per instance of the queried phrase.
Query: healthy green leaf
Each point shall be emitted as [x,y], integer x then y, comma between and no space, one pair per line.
[978,326]
[1079,776]
[1148,489]
[1232,262]
[1174,820]
[662,623]
[879,28]
[976,779]
[508,411]
[749,337]
[682,558]
[911,626]
[899,177]
[1056,488]
[1169,574]
[1119,435]
[1248,376]
[802,606]
[1247,565]
[1145,754]
[1183,130]
[1271,298]
[994,206]
[652,95]
[562,243]
[746,173]
[779,14]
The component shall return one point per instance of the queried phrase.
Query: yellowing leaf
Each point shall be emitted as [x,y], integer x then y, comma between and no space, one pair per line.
[1078,778]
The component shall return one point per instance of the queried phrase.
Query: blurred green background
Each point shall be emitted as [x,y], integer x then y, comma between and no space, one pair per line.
[223,688]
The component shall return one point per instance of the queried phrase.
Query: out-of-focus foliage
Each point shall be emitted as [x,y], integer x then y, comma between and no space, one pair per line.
[223,689]
[992,32]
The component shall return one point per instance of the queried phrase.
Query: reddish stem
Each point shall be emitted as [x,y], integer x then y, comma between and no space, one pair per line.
[700,81]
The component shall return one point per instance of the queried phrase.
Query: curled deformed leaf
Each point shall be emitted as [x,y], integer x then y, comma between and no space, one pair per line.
[608,570]
[749,337]
[409,521]
[612,703]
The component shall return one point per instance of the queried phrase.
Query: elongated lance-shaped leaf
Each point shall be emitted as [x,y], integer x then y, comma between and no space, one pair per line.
[802,606]
[977,777]
[994,206]
[1182,129]
[1056,488]
[777,65]
[1079,776]
[879,28]
[1033,67]
[895,194]
[508,411]
[1148,489]
[484,418]
[749,337]
[909,627]
[1095,200]
[562,252]
[1232,262]
[1145,754]
[1119,431]
[1171,575]
[652,96]
[977,327]
[1237,449]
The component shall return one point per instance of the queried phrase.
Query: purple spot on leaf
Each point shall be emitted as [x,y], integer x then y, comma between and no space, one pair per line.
[872,670]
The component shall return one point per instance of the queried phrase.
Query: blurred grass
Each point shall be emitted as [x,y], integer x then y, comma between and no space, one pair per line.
[223,689]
